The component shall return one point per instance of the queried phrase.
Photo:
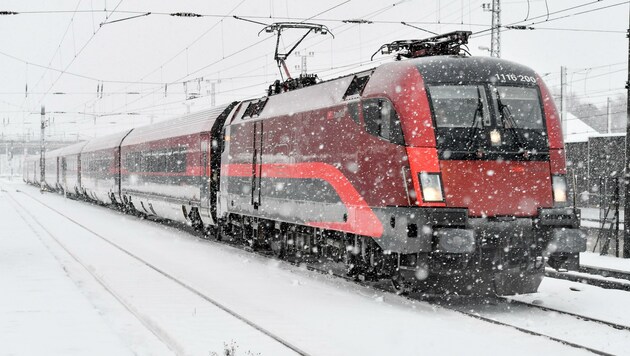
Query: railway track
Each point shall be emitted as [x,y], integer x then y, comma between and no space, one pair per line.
[577,316]
[495,304]
[605,272]
[497,310]
[594,277]
[144,320]
[485,310]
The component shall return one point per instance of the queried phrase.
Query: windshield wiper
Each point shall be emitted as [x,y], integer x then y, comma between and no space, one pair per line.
[477,118]
[508,118]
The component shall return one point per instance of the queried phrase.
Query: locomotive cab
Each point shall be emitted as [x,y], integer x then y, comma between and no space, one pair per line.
[486,159]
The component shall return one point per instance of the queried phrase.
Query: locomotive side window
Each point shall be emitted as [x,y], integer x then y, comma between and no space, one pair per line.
[459,105]
[353,109]
[382,120]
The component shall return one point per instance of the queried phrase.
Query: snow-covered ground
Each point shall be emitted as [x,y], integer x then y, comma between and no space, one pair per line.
[591,217]
[608,262]
[67,291]
[43,312]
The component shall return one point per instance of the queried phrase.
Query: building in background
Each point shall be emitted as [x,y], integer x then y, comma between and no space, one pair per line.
[594,162]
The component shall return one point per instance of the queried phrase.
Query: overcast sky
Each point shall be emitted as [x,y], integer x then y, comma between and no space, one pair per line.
[143,62]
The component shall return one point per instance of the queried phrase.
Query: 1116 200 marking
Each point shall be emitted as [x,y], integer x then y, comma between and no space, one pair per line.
[512,77]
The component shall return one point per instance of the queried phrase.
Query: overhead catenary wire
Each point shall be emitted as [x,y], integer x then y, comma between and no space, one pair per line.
[484,33]
[122,12]
[183,50]
[77,54]
[63,37]
[157,84]
[541,16]
[191,73]
[248,47]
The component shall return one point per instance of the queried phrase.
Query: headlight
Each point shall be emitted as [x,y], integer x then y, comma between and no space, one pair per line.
[559,185]
[431,187]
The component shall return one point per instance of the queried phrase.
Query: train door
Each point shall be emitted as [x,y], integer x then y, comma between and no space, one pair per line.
[78,168]
[64,168]
[257,164]
[58,180]
[205,168]
[117,171]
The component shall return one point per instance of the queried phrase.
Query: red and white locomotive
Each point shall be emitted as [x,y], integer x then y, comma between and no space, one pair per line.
[441,171]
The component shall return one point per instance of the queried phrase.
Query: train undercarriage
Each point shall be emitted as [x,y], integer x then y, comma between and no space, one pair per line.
[509,254]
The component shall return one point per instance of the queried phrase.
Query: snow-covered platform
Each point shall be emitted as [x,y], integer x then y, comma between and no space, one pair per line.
[78,279]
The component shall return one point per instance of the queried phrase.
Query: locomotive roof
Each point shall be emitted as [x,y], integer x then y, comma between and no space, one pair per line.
[434,69]
[191,124]
[324,94]
[466,69]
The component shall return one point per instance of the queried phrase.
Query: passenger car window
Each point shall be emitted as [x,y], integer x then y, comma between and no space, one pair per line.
[382,120]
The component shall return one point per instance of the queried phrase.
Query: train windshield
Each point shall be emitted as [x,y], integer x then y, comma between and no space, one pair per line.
[459,106]
[523,104]
[485,121]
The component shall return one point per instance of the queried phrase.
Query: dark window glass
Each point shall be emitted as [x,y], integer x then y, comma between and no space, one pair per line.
[459,105]
[249,110]
[519,104]
[353,109]
[357,85]
[162,162]
[382,120]
[151,162]
[260,105]
[255,108]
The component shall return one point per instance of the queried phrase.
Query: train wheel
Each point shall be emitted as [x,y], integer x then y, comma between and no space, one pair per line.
[247,234]
[223,231]
[400,284]
[195,219]
[210,232]
[277,243]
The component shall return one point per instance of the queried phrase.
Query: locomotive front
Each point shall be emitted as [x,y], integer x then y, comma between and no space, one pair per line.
[486,155]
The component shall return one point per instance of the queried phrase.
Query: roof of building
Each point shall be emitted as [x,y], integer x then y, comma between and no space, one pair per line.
[577,130]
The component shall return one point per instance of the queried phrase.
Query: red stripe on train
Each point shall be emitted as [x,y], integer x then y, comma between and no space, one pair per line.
[361,218]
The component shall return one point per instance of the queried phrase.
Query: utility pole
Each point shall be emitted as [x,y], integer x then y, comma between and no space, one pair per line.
[42,159]
[563,100]
[213,94]
[304,57]
[495,35]
[626,210]
[212,91]
[608,116]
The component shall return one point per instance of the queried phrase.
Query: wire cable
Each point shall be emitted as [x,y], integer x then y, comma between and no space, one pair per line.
[77,54]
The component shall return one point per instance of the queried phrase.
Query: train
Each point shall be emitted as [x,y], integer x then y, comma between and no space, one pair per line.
[441,172]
